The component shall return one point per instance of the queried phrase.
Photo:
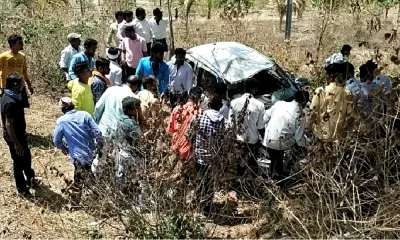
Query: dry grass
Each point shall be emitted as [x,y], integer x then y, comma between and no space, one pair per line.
[47,216]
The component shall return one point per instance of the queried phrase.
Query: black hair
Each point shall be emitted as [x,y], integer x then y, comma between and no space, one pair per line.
[133,80]
[157,48]
[130,103]
[127,14]
[333,69]
[139,11]
[13,39]
[89,43]
[129,28]
[250,84]
[182,98]
[80,67]
[195,93]
[12,80]
[156,11]
[180,51]
[220,89]
[364,72]
[346,47]
[101,62]
[371,66]
[302,96]
[119,14]
[147,81]
[215,103]
[113,51]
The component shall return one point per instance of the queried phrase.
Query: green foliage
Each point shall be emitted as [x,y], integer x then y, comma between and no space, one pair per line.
[238,5]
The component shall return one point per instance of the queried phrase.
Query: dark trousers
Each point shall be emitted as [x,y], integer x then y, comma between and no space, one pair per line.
[128,71]
[204,191]
[163,42]
[276,157]
[22,165]
[148,45]
[82,176]
[249,153]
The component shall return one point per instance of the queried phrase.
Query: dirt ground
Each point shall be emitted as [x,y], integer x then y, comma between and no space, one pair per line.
[46,216]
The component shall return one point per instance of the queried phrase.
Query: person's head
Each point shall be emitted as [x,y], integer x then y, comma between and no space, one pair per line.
[221,89]
[14,82]
[140,13]
[133,82]
[82,70]
[103,65]
[158,14]
[66,104]
[180,56]
[131,107]
[112,54]
[332,72]
[130,32]
[371,65]
[157,52]
[128,16]
[365,74]
[150,83]
[74,39]
[346,49]
[250,85]
[195,94]
[119,16]
[16,43]
[215,103]
[302,97]
[90,47]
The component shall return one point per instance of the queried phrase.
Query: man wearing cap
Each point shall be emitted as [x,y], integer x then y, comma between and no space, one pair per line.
[82,136]
[73,48]
[115,75]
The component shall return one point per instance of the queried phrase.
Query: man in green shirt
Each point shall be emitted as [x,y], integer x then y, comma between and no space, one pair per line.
[82,96]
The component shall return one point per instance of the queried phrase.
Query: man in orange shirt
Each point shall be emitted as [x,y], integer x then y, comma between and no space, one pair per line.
[181,117]
[13,61]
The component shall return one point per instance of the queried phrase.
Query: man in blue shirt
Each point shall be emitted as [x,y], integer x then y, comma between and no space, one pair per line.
[84,56]
[83,137]
[155,66]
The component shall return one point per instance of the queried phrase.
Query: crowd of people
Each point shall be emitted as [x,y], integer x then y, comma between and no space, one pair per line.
[116,99]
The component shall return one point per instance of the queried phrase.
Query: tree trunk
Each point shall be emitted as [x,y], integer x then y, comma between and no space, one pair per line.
[209,6]
[171,31]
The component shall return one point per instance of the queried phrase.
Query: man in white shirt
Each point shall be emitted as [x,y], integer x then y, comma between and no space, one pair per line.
[159,27]
[128,18]
[73,48]
[246,118]
[285,124]
[340,56]
[180,74]
[142,27]
[115,75]
[112,40]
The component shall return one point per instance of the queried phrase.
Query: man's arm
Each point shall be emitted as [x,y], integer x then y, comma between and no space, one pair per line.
[260,121]
[71,68]
[58,137]
[11,132]
[95,130]
[63,61]
[139,69]
[123,55]
[77,99]
[25,75]
[144,48]
[165,78]
[110,34]
[189,79]
[99,109]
